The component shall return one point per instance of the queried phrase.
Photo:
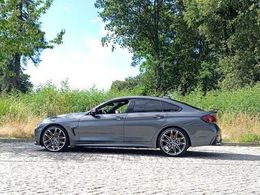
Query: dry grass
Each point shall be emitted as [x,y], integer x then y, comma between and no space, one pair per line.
[17,128]
[235,128]
[240,127]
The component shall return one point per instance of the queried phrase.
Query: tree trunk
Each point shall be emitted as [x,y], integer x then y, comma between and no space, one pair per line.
[157,52]
[11,78]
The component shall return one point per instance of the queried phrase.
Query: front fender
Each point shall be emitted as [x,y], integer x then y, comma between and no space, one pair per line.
[69,127]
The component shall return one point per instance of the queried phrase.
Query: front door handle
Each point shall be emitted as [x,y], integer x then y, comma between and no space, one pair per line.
[118,118]
[158,116]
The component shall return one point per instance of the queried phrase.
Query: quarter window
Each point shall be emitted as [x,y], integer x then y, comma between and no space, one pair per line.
[167,107]
[147,106]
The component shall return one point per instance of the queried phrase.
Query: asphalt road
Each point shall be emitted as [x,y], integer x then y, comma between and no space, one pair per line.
[29,169]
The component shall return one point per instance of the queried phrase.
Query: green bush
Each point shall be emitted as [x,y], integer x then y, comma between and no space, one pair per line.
[50,100]
[245,100]
[253,138]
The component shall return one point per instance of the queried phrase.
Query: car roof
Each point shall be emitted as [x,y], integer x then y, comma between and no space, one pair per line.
[182,105]
[141,97]
[165,99]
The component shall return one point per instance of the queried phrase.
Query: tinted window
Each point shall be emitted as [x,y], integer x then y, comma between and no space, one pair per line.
[147,106]
[167,107]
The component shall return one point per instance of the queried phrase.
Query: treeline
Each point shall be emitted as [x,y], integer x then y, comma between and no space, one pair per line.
[182,45]
[179,45]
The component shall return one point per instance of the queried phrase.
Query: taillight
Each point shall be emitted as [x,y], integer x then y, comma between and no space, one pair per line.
[209,118]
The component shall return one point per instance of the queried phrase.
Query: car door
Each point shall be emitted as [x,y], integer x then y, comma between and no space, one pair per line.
[102,128]
[144,120]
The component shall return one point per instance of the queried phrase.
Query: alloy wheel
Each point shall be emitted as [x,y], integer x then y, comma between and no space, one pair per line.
[173,142]
[54,139]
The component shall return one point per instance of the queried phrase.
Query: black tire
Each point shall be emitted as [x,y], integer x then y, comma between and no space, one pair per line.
[182,138]
[58,142]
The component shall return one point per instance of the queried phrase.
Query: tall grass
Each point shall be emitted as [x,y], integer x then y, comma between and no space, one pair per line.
[244,100]
[238,111]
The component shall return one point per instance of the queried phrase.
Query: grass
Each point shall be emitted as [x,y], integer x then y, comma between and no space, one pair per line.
[244,100]
[240,128]
[238,111]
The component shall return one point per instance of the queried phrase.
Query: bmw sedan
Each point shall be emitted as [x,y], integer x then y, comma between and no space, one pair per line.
[136,121]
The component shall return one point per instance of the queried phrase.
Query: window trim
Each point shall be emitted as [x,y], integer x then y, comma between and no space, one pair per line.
[132,104]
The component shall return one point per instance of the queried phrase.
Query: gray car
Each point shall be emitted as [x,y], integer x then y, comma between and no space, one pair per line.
[136,121]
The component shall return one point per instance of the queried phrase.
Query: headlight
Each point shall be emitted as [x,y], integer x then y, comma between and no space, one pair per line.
[38,125]
[42,123]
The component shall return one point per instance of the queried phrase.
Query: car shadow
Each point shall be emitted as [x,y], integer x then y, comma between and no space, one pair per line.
[118,151]
[157,153]
[222,156]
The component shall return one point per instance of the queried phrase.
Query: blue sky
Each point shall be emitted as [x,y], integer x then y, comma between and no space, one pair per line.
[81,58]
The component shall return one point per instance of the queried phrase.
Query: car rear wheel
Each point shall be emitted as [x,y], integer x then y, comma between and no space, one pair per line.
[55,139]
[173,142]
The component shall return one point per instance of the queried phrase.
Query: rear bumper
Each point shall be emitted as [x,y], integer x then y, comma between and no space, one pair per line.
[217,140]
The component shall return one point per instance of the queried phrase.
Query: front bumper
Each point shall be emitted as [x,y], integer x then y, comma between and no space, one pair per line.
[37,134]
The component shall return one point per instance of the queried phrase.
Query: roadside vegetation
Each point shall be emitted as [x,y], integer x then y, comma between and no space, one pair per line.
[238,111]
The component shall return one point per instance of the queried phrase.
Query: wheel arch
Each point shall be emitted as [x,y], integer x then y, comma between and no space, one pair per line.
[53,124]
[168,127]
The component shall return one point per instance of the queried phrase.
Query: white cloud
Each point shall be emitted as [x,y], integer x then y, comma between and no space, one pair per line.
[66,8]
[97,66]
[84,66]
[95,20]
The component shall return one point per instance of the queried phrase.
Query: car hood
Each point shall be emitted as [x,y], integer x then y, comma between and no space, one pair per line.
[65,117]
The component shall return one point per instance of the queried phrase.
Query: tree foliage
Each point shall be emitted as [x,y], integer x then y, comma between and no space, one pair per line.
[232,29]
[130,83]
[187,44]
[21,40]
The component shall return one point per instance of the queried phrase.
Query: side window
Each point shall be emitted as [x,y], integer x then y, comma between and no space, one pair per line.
[167,107]
[114,108]
[122,108]
[147,106]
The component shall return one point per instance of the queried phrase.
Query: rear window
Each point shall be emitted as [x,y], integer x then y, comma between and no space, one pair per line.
[147,106]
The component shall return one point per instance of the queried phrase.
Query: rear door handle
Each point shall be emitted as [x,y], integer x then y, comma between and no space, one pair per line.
[157,116]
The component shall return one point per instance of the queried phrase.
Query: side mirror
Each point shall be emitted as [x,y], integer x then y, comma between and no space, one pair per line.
[92,112]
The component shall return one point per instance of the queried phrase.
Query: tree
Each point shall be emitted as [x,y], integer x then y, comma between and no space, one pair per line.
[128,84]
[21,40]
[169,51]
[139,26]
[232,29]
[187,44]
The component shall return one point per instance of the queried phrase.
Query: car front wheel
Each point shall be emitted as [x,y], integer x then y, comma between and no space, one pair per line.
[55,139]
[173,142]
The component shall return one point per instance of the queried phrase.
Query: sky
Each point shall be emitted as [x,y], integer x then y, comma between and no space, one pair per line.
[81,58]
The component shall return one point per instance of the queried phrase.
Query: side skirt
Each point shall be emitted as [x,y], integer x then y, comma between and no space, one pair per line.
[113,144]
